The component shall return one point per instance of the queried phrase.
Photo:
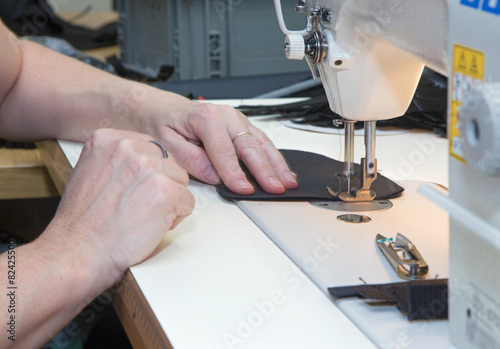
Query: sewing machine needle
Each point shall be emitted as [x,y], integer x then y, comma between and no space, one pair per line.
[349,151]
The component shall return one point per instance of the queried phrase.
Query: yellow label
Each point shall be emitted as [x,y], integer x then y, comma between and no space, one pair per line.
[468,71]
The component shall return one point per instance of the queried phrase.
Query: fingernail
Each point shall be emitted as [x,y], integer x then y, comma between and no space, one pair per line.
[291,177]
[244,184]
[211,175]
[275,182]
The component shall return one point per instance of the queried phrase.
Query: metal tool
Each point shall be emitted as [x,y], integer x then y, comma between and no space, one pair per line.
[403,256]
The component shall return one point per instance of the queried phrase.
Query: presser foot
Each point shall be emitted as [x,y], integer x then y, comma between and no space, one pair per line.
[361,195]
[350,203]
[352,199]
[348,191]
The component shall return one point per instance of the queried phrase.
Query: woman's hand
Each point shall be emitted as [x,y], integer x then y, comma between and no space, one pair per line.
[208,139]
[122,197]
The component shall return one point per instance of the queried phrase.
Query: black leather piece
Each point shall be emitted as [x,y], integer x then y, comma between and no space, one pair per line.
[419,300]
[314,173]
[427,110]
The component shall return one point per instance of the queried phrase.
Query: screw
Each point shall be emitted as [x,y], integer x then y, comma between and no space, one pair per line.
[301,7]
[338,62]
[337,122]
[326,15]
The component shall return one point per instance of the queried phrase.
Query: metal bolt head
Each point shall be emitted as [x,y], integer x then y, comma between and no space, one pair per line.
[337,122]
[326,15]
[300,9]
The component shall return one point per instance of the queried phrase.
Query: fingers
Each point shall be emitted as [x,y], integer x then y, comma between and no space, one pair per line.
[224,158]
[209,140]
[264,161]
[198,137]
[136,151]
[238,139]
[192,157]
[174,199]
[275,159]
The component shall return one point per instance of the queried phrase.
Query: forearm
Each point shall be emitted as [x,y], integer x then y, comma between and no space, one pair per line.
[46,95]
[53,284]
[59,97]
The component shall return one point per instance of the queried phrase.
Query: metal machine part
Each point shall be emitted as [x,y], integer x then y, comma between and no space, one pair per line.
[353,218]
[480,125]
[403,257]
[348,192]
[368,206]
[316,47]
[313,47]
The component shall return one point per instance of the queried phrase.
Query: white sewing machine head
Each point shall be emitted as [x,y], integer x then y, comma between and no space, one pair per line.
[360,48]
[369,53]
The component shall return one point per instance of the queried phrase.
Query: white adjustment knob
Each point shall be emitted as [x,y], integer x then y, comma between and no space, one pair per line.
[480,128]
[295,47]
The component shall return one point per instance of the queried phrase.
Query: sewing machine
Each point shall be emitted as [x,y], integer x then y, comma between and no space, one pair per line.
[370,55]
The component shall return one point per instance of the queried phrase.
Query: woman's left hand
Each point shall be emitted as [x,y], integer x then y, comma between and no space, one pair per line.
[207,140]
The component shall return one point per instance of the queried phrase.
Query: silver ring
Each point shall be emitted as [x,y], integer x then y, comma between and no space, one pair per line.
[165,155]
[241,134]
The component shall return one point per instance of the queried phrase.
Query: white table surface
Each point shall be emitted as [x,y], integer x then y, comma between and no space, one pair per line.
[217,281]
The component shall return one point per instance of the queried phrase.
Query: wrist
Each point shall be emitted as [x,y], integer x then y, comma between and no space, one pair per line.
[161,108]
[72,256]
[54,282]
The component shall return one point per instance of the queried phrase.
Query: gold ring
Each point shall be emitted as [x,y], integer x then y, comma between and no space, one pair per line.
[241,134]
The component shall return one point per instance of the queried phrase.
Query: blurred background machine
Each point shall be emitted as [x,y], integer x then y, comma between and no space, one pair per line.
[370,55]
[214,49]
